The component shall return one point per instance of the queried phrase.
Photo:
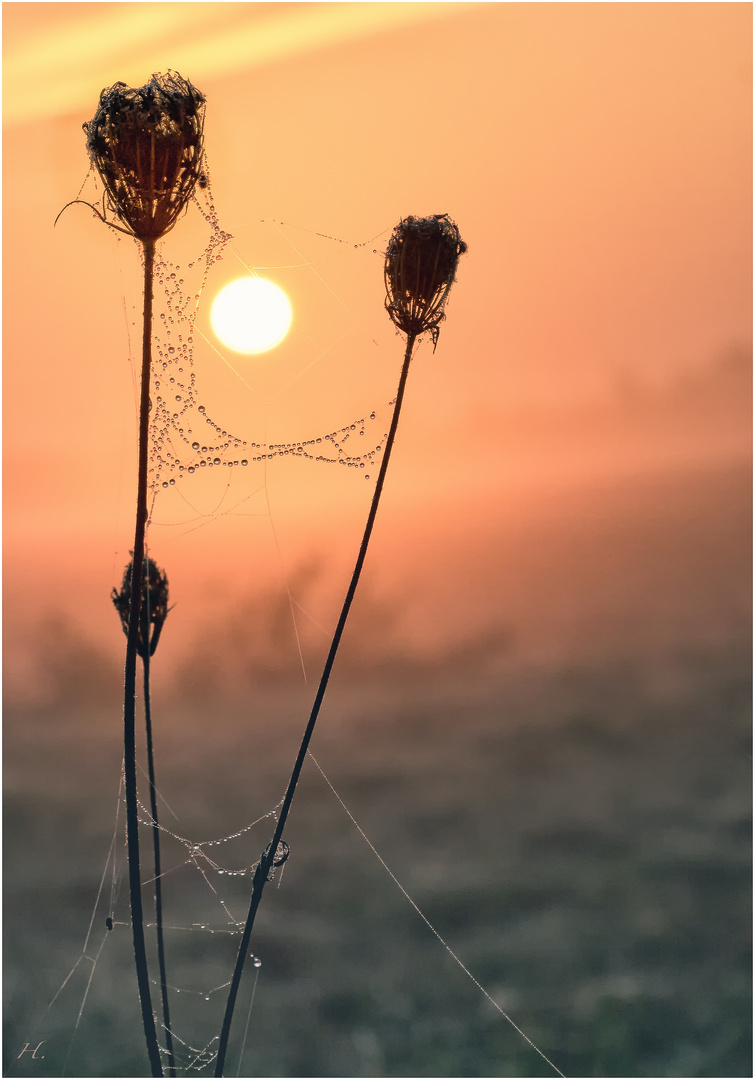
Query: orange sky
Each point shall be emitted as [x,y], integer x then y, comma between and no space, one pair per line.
[597,158]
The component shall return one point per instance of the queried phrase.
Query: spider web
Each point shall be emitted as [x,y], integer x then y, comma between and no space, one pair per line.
[189,434]
[224,918]
[193,435]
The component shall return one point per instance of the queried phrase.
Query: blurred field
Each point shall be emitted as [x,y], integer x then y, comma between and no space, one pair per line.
[564,788]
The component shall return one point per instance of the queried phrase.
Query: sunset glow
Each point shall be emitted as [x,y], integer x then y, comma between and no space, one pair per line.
[239,241]
[251,315]
[608,277]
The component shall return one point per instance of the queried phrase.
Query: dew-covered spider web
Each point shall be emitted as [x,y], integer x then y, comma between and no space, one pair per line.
[220,425]
[189,432]
[221,865]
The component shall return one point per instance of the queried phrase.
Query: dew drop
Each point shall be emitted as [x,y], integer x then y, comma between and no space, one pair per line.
[195,446]
[244,461]
[257,962]
[200,408]
[216,461]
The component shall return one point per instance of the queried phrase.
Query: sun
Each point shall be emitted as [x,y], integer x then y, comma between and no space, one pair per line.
[251,315]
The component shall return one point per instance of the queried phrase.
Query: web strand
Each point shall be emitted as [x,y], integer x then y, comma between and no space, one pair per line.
[427,922]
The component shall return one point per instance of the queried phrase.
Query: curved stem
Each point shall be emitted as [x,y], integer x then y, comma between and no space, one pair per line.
[158,869]
[129,689]
[266,863]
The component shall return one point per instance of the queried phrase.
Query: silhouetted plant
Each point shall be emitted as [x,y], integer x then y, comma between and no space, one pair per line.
[420,267]
[153,613]
[147,146]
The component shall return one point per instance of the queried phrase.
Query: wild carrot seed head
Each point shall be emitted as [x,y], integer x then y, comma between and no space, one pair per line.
[147,145]
[420,267]
[154,607]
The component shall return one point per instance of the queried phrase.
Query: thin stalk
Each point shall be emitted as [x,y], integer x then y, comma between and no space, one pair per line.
[158,871]
[129,690]
[265,864]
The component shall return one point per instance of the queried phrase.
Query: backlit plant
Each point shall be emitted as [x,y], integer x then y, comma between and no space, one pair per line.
[147,146]
[420,267]
[153,612]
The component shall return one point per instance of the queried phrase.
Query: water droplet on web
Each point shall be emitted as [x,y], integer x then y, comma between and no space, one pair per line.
[195,446]
[200,408]
[257,962]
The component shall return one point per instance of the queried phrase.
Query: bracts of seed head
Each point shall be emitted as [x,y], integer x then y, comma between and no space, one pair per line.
[420,267]
[154,607]
[147,145]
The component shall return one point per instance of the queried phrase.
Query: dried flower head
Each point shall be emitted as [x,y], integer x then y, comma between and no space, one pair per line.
[420,267]
[154,608]
[147,145]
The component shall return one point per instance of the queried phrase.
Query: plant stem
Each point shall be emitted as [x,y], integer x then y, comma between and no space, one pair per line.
[158,877]
[129,691]
[265,864]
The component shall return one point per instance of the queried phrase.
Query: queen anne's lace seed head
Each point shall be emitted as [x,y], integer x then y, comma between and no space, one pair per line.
[147,145]
[420,267]
[154,607]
